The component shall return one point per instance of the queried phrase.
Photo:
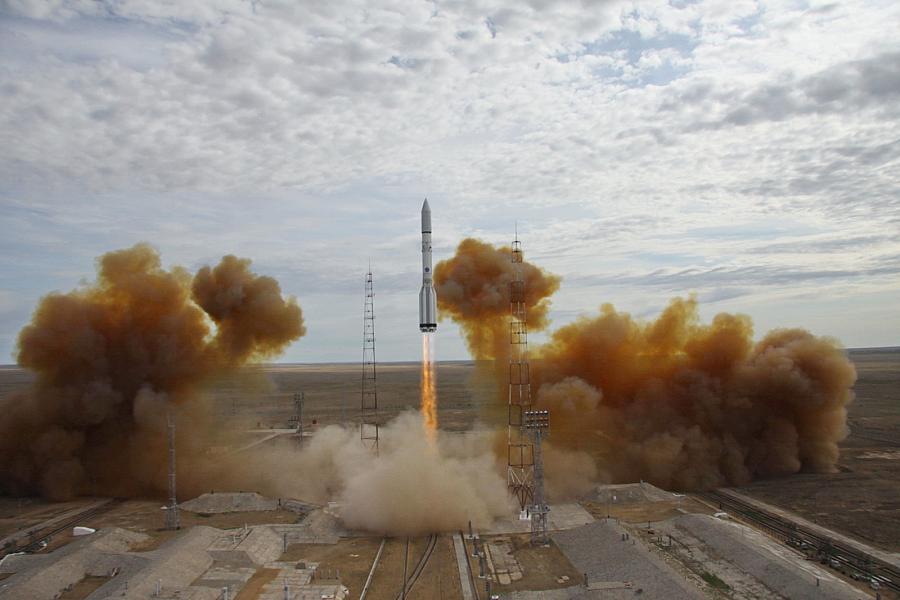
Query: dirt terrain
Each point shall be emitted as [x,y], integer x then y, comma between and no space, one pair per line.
[862,499]
[264,396]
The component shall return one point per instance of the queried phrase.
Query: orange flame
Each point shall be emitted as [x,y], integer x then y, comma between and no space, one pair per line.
[429,395]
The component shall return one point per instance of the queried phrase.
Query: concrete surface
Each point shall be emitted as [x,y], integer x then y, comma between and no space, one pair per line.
[775,566]
[460,551]
[561,516]
[599,551]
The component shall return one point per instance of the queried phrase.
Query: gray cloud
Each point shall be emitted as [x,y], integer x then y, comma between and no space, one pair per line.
[684,280]
[663,141]
[829,245]
[873,82]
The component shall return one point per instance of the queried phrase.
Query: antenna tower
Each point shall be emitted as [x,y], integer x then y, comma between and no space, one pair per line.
[537,422]
[172,521]
[520,451]
[368,422]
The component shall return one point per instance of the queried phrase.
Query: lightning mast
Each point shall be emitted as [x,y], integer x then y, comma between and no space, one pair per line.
[368,421]
[520,450]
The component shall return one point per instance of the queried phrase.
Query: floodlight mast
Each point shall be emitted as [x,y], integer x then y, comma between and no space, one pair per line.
[537,422]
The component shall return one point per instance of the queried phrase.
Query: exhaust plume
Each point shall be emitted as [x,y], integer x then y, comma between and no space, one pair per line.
[417,483]
[113,357]
[429,392]
[473,290]
[682,404]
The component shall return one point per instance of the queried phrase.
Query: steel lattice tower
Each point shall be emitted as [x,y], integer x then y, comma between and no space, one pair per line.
[368,422]
[537,422]
[520,450]
[172,521]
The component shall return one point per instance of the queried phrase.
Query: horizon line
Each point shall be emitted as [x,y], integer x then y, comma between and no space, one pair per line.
[455,360]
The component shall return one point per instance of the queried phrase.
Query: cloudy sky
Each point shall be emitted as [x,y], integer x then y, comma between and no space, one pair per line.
[747,151]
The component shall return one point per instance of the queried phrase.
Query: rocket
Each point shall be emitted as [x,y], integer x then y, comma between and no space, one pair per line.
[427,297]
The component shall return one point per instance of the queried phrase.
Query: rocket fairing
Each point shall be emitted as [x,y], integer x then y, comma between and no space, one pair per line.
[427,297]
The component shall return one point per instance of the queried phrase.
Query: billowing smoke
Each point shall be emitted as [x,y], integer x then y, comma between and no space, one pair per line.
[112,358]
[682,404]
[473,290]
[416,484]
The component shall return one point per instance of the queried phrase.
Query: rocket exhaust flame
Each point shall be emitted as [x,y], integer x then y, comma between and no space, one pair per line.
[427,324]
[429,394]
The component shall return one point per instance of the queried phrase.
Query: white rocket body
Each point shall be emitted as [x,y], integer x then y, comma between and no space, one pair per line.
[427,297]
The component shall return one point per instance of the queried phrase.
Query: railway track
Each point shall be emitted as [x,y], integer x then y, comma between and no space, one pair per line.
[893,443]
[41,533]
[834,553]
[365,590]
[420,566]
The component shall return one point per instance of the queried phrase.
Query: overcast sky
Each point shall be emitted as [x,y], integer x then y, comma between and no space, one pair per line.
[747,151]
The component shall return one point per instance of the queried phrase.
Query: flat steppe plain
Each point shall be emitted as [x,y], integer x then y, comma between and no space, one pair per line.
[861,499]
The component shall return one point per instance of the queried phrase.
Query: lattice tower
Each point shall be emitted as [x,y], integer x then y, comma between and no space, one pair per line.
[537,422]
[520,450]
[368,424]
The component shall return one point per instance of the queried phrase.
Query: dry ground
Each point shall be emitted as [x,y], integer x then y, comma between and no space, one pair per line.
[388,579]
[256,583]
[351,557]
[644,512]
[862,500]
[440,579]
[542,566]
[84,588]
[264,395]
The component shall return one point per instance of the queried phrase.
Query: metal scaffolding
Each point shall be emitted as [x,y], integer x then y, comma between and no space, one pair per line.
[520,450]
[537,422]
[368,420]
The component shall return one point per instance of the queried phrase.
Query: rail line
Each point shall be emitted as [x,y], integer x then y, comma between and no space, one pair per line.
[893,443]
[365,590]
[41,533]
[814,545]
[420,566]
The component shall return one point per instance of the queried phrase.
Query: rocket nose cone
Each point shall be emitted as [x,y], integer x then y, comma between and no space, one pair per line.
[426,217]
